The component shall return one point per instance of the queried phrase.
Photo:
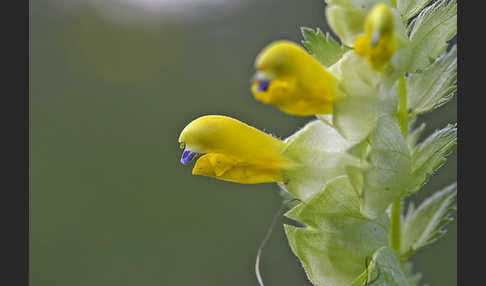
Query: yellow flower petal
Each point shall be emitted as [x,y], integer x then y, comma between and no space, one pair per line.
[292,80]
[379,41]
[234,150]
[229,168]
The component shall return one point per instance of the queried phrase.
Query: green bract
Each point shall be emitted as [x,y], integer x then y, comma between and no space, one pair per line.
[337,238]
[433,87]
[387,179]
[319,153]
[429,155]
[424,225]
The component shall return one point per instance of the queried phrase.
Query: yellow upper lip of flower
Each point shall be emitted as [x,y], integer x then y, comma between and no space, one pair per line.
[294,81]
[223,134]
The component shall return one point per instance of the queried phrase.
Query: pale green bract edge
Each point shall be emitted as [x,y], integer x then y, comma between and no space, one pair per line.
[434,86]
[424,225]
[323,47]
[430,31]
[336,239]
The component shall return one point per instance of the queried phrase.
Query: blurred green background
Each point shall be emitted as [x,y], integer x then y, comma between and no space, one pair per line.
[112,83]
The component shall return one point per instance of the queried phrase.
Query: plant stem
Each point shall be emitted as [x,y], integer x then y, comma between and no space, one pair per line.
[394,3]
[402,113]
[396,209]
[396,223]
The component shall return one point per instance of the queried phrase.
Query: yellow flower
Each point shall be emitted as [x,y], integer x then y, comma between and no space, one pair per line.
[292,80]
[379,42]
[234,151]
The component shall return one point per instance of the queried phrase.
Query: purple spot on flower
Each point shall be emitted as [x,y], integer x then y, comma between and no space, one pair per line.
[263,84]
[187,156]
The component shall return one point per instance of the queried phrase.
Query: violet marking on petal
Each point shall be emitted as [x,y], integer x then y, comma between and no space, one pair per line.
[187,156]
[263,84]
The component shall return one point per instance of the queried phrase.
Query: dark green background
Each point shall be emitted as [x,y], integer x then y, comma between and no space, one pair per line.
[110,204]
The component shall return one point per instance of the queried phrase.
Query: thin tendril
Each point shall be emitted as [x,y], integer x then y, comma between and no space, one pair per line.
[265,239]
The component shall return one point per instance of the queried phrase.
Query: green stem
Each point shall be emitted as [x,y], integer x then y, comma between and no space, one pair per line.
[402,113]
[394,3]
[396,209]
[396,224]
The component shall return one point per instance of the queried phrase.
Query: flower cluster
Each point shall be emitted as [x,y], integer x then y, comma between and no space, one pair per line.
[351,166]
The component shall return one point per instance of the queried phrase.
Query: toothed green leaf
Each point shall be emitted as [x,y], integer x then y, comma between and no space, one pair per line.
[424,225]
[429,155]
[324,48]
[434,86]
[336,239]
[430,31]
